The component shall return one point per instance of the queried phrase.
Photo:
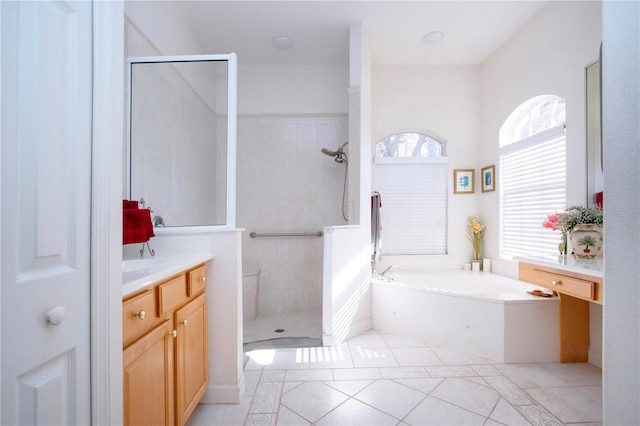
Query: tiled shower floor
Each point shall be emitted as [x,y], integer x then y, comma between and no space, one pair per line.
[309,326]
[381,379]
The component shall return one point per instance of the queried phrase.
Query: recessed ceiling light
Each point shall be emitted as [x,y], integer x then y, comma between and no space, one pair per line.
[433,37]
[282,42]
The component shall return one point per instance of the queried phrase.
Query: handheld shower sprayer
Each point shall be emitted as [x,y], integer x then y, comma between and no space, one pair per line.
[339,154]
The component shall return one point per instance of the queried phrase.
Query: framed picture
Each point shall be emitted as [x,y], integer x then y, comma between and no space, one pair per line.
[489,178]
[463,181]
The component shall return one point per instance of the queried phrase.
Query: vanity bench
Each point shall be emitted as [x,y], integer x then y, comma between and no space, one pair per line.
[578,284]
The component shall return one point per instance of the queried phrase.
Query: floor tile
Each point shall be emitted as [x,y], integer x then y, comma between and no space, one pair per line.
[415,357]
[530,376]
[512,393]
[287,417]
[309,375]
[370,357]
[468,395]
[391,397]
[354,412]
[394,341]
[349,387]
[506,414]
[267,398]
[378,378]
[269,419]
[450,357]
[368,341]
[330,357]
[313,400]
[593,392]
[538,416]
[579,374]
[433,411]
[485,370]
[424,385]
[220,414]
[568,404]
[403,372]
[356,373]
[451,371]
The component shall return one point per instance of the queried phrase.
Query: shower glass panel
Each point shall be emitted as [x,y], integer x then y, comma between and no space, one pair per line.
[181,127]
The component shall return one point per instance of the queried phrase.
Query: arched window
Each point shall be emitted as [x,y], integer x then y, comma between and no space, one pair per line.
[533,176]
[411,177]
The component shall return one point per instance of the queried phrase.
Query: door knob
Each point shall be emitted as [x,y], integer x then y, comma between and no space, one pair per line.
[56,315]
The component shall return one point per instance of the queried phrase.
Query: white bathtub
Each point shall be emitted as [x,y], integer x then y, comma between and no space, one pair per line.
[477,313]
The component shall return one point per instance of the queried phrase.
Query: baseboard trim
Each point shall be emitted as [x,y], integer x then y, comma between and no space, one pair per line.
[224,394]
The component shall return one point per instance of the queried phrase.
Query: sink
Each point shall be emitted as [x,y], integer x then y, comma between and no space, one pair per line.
[139,265]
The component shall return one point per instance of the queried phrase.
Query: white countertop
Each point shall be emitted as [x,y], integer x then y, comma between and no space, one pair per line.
[165,267]
[570,262]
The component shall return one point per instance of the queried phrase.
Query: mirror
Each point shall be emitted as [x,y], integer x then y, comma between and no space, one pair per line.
[181,138]
[594,134]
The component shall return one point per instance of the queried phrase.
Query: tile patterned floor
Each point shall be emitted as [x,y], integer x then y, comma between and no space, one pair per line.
[380,379]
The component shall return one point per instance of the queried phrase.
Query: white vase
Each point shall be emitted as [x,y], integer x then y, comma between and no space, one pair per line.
[586,240]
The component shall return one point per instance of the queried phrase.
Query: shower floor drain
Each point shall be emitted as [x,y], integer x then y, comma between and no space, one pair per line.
[279,330]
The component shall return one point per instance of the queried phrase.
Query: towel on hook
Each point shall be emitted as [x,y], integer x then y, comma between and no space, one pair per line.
[136,223]
[129,204]
[376,226]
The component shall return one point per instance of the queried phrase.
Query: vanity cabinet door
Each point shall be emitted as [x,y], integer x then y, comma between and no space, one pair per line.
[191,356]
[148,367]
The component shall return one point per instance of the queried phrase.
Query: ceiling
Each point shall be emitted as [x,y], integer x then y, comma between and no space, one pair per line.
[320,29]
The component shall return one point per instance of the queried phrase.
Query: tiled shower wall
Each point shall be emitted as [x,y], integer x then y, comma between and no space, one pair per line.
[286,184]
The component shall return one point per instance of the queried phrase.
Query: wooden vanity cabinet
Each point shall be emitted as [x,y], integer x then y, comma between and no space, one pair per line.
[165,361]
[575,291]
[148,367]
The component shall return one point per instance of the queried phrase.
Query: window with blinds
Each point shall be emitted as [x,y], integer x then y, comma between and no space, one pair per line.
[412,182]
[533,178]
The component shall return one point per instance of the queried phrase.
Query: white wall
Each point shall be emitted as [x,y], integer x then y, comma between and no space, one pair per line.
[292,89]
[548,55]
[621,101]
[443,101]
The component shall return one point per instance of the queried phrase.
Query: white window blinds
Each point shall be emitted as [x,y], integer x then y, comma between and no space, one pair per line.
[533,182]
[414,205]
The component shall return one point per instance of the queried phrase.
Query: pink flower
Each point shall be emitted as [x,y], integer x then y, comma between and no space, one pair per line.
[552,222]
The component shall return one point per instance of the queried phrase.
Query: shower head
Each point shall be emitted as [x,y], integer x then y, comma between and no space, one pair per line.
[330,153]
[339,154]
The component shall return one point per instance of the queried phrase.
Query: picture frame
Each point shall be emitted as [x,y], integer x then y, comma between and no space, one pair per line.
[488,175]
[464,181]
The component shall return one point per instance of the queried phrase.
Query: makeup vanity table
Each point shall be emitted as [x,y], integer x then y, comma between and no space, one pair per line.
[578,282]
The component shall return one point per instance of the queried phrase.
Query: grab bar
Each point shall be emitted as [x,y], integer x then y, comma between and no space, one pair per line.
[285,234]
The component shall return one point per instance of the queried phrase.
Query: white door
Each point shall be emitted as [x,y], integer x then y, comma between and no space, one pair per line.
[45,214]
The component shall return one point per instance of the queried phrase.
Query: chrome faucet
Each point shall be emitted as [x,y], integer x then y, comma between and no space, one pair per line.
[158,221]
[387,272]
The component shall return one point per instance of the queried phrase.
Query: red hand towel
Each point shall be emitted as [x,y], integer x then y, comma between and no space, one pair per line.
[129,204]
[136,226]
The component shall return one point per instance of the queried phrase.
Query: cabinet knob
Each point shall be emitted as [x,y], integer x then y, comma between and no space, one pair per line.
[203,278]
[140,315]
[173,333]
[184,323]
[554,282]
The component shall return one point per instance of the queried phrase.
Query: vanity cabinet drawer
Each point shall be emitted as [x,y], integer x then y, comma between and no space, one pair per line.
[197,280]
[573,286]
[171,294]
[138,315]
